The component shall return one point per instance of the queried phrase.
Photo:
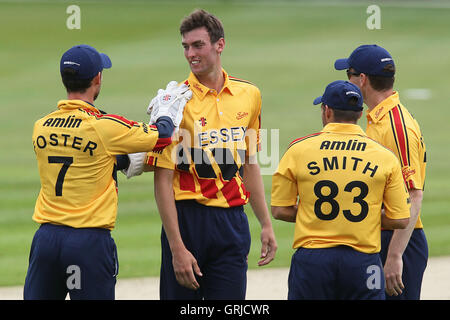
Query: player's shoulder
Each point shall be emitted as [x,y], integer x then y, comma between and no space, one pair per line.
[405,117]
[302,140]
[109,117]
[402,126]
[47,119]
[398,115]
[241,81]
[244,84]
[379,148]
[42,119]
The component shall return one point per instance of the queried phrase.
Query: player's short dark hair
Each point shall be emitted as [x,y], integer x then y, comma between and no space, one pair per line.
[347,115]
[201,18]
[73,84]
[381,83]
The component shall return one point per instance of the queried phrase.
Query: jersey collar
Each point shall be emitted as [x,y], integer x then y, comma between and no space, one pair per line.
[346,128]
[77,104]
[383,108]
[201,90]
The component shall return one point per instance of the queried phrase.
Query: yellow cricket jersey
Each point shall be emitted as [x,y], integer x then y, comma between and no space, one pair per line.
[218,131]
[75,148]
[393,126]
[340,178]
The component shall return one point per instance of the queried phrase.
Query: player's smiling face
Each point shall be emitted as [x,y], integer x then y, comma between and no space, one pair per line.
[202,55]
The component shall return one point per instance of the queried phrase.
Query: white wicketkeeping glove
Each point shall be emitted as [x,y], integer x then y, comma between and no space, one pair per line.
[136,167]
[170,103]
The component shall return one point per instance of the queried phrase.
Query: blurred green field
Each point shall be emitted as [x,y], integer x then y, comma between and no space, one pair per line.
[287,49]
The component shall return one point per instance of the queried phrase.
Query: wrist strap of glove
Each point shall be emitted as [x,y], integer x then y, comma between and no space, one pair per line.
[122,161]
[165,127]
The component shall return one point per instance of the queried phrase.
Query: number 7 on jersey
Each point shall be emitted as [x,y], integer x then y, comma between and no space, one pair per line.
[66,161]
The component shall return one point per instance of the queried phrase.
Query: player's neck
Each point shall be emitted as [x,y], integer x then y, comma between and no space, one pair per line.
[213,80]
[374,98]
[87,96]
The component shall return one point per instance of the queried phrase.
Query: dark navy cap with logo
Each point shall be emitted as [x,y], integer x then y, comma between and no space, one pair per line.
[85,60]
[369,59]
[338,95]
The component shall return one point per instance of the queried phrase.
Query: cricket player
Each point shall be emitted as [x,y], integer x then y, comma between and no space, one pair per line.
[332,184]
[76,147]
[203,180]
[404,252]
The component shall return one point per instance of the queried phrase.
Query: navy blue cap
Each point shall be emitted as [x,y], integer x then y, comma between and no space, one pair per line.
[337,96]
[84,59]
[369,59]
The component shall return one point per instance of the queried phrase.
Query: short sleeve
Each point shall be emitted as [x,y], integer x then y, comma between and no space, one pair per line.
[253,136]
[412,169]
[121,136]
[396,197]
[284,184]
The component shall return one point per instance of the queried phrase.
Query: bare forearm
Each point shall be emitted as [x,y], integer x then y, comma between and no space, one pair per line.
[148,168]
[166,206]
[287,214]
[183,262]
[391,224]
[400,238]
[254,184]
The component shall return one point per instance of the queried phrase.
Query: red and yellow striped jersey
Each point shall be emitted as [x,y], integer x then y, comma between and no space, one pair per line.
[393,126]
[339,179]
[76,148]
[218,131]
